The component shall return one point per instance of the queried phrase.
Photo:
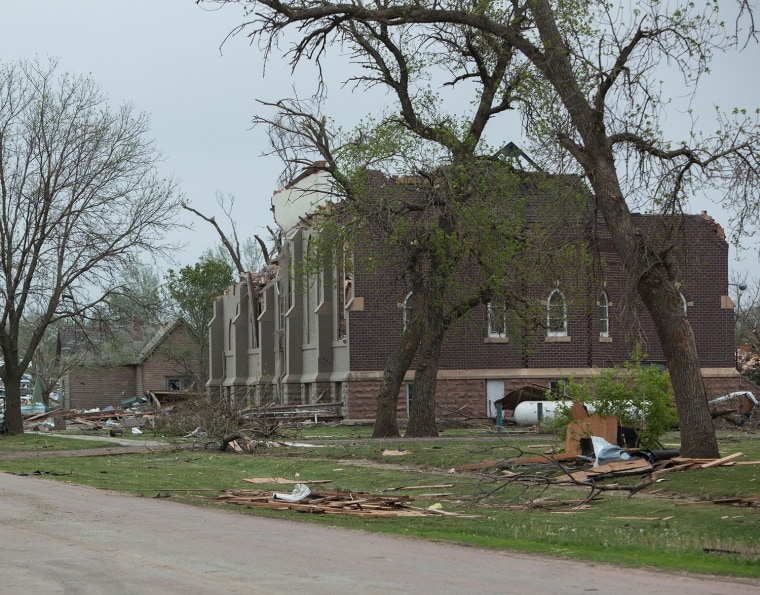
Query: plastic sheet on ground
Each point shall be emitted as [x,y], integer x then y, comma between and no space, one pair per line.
[609,453]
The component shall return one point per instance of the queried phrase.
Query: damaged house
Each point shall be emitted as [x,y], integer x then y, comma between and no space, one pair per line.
[291,336]
[102,367]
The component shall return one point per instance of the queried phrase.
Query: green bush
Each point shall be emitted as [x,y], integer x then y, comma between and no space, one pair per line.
[640,396]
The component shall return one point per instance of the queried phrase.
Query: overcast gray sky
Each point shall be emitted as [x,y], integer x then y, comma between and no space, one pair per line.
[164,57]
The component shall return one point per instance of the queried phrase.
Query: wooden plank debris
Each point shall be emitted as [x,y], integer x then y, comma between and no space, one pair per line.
[420,487]
[722,461]
[330,502]
[752,502]
[614,469]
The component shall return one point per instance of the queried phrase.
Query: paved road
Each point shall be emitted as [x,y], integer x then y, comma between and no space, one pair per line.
[62,538]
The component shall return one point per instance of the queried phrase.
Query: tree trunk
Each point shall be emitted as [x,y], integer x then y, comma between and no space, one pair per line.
[660,296]
[386,418]
[644,266]
[422,408]
[14,423]
[677,339]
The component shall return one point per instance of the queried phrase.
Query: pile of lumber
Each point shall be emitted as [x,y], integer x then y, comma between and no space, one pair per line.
[330,502]
[295,414]
[68,419]
[640,466]
[681,463]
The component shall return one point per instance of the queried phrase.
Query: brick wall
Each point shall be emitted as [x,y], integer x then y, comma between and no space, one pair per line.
[99,387]
[700,264]
[178,356]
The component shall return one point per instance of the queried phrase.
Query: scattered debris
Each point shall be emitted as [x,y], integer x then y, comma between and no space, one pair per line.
[736,407]
[613,469]
[351,503]
[70,419]
[297,414]
[281,480]
[424,487]
[391,452]
[604,452]
[584,425]
[750,502]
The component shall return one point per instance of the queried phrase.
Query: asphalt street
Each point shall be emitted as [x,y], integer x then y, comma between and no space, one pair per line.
[62,538]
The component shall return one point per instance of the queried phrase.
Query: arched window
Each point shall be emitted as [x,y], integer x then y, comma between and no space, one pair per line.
[684,305]
[556,315]
[604,315]
[497,319]
[405,311]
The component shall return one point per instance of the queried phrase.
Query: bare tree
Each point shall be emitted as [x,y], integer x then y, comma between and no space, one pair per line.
[247,255]
[80,197]
[595,105]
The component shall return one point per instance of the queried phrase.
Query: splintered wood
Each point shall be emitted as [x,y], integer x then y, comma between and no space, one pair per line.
[351,503]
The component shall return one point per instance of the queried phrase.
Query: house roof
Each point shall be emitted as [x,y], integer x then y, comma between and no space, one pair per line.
[122,346]
[160,335]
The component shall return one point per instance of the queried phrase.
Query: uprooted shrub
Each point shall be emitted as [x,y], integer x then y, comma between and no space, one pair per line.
[639,395]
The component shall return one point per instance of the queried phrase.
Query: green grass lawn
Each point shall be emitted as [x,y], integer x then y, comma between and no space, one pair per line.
[672,524]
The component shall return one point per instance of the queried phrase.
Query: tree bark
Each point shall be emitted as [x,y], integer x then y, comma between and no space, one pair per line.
[658,291]
[422,421]
[386,417]
[647,269]
[13,421]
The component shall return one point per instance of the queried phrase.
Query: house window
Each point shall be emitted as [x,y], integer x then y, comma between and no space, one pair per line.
[177,383]
[684,305]
[556,315]
[497,319]
[604,315]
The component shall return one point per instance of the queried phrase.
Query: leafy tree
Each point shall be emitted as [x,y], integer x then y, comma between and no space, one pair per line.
[79,198]
[193,290]
[593,104]
[464,208]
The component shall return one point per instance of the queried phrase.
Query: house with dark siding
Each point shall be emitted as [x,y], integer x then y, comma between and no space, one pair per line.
[292,337]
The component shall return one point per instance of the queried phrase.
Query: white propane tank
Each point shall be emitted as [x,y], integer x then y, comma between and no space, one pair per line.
[533,413]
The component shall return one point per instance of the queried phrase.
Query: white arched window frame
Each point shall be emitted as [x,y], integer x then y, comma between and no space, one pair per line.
[604,315]
[556,315]
[684,304]
[405,312]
